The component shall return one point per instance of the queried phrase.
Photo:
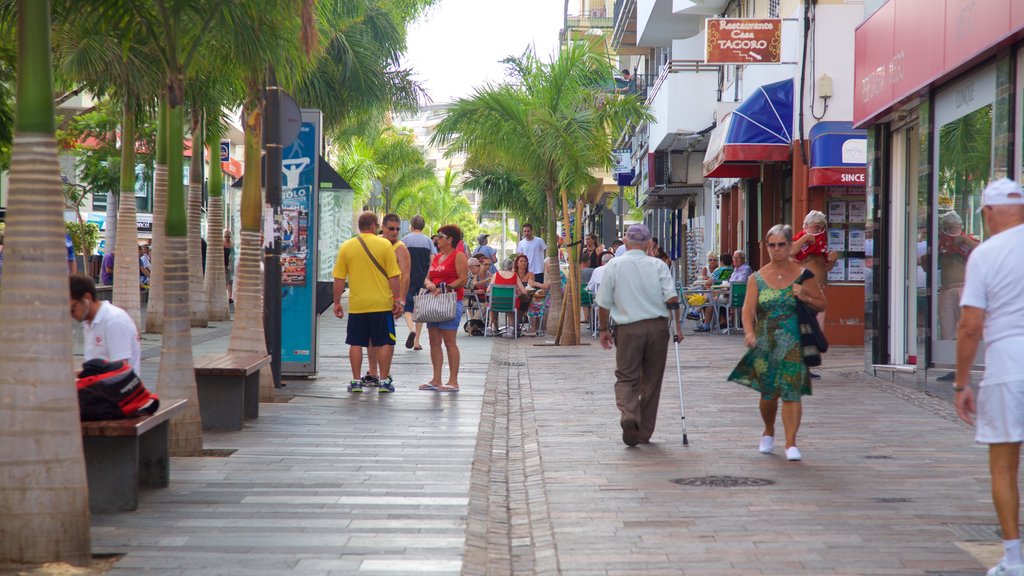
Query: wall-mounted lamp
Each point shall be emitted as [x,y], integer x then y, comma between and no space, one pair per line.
[824,86]
[824,91]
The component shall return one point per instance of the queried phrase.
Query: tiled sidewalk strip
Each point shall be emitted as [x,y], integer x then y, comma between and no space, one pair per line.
[509,527]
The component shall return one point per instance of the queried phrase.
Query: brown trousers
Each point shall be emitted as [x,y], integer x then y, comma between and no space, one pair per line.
[640,352]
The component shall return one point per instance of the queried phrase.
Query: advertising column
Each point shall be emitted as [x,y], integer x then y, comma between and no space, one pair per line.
[299,248]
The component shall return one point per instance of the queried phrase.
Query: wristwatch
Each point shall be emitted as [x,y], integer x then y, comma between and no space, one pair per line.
[959,388]
[602,328]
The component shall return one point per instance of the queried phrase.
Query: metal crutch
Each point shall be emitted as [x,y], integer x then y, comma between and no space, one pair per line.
[679,377]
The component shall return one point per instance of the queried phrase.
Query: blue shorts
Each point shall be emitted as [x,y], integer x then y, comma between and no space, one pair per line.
[452,324]
[371,329]
[409,302]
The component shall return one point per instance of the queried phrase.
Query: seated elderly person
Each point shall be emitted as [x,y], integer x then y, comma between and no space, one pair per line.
[479,282]
[477,274]
[505,277]
[716,278]
[742,270]
[595,278]
[539,303]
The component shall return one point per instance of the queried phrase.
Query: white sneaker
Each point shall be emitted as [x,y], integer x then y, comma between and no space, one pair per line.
[767,445]
[1003,569]
[793,454]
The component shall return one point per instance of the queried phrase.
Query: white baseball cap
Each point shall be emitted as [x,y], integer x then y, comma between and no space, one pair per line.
[1002,192]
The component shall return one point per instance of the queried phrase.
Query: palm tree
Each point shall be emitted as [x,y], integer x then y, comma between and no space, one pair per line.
[219,307]
[551,127]
[92,56]
[44,507]
[155,310]
[501,190]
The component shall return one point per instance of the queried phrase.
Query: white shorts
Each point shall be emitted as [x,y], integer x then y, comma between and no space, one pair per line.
[1000,413]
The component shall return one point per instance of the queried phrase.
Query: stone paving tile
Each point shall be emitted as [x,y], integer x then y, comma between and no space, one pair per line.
[885,472]
[326,483]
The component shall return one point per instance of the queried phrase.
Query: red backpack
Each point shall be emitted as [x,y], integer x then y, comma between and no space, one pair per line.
[112,390]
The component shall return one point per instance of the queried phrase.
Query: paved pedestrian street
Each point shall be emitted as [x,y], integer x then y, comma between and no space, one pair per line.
[524,472]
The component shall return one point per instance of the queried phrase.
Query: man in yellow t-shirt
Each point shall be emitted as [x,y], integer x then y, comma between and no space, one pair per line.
[369,266]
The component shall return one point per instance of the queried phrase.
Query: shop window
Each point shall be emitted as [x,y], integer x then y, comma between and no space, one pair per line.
[964,139]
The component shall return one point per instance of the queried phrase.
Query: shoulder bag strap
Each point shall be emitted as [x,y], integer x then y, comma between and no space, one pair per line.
[370,254]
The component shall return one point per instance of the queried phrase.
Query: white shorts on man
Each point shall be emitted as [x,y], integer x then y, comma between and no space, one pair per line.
[1000,413]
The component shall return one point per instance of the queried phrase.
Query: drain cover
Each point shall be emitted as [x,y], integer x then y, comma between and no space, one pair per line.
[510,363]
[893,500]
[879,457]
[723,481]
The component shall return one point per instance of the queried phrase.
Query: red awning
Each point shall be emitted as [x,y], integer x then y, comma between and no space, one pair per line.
[747,170]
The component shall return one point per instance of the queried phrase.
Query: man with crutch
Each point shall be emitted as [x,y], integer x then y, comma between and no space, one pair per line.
[639,306]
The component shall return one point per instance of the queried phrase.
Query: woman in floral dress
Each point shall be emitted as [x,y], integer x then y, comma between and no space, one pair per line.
[774,364]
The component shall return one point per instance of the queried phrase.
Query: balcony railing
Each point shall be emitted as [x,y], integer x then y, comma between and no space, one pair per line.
[622,12]
[675,67]
[590,22]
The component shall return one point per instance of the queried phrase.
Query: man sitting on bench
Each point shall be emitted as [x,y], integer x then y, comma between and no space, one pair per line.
[110,333]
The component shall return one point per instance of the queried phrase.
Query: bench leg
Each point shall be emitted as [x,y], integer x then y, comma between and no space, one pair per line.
[221,402]
[252,396]
[154,460]
[112,467]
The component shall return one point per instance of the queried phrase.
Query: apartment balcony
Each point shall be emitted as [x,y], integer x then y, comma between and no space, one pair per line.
[682,101]
[659,22]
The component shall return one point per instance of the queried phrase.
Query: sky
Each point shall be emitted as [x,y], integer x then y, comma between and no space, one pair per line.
[458,44]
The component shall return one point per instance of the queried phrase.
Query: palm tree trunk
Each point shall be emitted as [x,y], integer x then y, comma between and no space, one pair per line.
[569,330]
[200,316]
[214,278]
[552,274]
[44,503]
[247,333]
[177,372]
[126,249]
[155,309]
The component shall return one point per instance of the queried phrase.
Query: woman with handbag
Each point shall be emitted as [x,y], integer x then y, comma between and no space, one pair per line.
[775,365]
[449,269]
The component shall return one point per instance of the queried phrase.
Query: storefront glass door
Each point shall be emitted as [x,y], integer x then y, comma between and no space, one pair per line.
[963,161]
[905,279]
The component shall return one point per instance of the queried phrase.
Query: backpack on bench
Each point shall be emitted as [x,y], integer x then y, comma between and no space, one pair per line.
[112,390]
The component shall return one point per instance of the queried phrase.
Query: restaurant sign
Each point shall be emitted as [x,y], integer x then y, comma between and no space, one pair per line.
[743,41]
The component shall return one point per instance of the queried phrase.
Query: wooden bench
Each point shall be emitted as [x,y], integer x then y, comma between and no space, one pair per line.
[229,388]
[121,455]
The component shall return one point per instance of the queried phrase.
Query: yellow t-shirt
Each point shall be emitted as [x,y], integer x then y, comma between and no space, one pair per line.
[368,289]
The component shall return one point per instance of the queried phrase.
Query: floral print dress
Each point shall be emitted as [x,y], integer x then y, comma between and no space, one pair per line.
[775,365]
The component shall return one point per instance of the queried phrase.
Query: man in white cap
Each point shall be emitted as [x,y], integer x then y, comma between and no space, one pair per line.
[640,308]
[992,305]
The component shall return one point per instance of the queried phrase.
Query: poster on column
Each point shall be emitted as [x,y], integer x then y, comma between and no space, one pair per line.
[298,248]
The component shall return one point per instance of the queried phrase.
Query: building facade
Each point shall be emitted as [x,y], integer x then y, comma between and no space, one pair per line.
[743,142]
[940,89]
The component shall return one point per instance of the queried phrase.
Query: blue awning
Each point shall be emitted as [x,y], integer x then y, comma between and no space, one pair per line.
[759,130]
[838,155]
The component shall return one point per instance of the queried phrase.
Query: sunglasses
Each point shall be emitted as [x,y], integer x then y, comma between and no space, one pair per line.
[777,244]
[442,236]
[393,228]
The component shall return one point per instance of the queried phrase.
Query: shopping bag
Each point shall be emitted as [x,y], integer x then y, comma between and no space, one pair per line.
[434,308]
